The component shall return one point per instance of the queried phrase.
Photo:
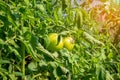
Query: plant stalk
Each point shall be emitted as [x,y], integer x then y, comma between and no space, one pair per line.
[23,60]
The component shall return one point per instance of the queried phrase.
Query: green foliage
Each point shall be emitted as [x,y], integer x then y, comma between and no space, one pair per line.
[24,29]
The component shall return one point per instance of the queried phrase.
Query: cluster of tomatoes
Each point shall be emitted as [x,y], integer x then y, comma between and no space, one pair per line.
[57,42]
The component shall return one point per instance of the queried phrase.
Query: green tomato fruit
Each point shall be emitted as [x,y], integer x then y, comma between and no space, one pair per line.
[60,44]
[69,43]
[56,42]
[53,39]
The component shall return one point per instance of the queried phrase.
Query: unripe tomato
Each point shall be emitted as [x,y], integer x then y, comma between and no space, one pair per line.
[69,43]
[53,39]
[60,44]
[56,42]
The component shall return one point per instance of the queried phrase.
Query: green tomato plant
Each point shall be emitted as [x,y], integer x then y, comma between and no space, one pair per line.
[25,25]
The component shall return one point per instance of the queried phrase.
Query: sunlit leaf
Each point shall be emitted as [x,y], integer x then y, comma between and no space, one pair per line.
[32,66]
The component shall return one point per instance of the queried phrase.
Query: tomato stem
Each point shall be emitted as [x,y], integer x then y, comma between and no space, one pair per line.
[23,55]
[23,60]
